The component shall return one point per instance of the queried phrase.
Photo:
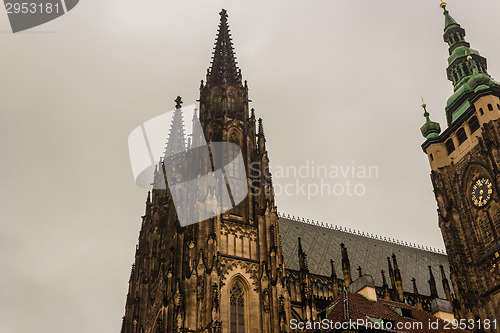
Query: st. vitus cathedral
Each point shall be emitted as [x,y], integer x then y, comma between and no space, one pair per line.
[252,270]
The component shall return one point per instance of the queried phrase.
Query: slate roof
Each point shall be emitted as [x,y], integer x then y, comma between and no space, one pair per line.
[352,306]
[322,244]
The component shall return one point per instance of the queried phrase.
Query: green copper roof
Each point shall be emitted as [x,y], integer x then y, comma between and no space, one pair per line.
[461,51]
[449,22]
[458,111]
[430,129]
[467,70]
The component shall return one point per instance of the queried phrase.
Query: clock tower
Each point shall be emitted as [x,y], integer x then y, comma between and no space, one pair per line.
[465,164]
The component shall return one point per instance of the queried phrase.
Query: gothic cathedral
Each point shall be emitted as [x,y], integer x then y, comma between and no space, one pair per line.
[252,270]
[225,274]
[465,163]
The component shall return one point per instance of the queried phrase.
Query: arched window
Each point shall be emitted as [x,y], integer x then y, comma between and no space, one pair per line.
[233,169]
[481,112]
[235,173]
[490,107]
[237,302]
[450,146]
[461,136]
[473,124]
[217,103]
[231,102]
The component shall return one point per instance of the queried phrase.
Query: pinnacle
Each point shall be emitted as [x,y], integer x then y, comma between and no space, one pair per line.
[176,142]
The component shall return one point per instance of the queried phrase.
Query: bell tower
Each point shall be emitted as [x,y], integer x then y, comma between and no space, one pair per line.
[224,274]
[465,164]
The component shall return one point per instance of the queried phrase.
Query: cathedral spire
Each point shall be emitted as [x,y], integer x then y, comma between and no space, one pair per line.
[462,58]
[176,142]
[223,67]
[467,69]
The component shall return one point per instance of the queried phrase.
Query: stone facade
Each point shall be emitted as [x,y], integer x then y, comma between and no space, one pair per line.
[465,175]
[227,270]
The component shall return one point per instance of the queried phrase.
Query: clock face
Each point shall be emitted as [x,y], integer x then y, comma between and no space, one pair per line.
[481,192]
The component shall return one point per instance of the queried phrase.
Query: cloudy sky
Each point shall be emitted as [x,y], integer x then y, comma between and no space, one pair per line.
[338,83]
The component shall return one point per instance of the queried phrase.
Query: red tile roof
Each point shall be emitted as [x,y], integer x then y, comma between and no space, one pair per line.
[363,313]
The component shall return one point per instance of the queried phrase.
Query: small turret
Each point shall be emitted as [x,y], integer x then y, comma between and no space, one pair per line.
[430,129]
[432,284]
[391,274]
[398,279]
[335,281]
[261,138]
[302,258]
[446,285]
[346,266]
[418,303]
[385,287]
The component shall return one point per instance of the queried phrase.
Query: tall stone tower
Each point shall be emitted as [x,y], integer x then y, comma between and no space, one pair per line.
[465,163]
[224,274]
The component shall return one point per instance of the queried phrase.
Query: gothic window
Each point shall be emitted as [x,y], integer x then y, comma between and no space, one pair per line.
[461,136]
[237,305]
[490,107]
[473,124]
[450,146]
[231,102]
[233,169]
[217,103]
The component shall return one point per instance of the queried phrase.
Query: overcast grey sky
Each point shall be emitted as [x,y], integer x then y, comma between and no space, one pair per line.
[334,81]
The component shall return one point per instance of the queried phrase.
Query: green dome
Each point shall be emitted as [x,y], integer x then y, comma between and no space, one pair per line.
[430,129]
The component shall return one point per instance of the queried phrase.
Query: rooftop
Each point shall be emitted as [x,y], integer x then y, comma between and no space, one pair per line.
[321,242]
